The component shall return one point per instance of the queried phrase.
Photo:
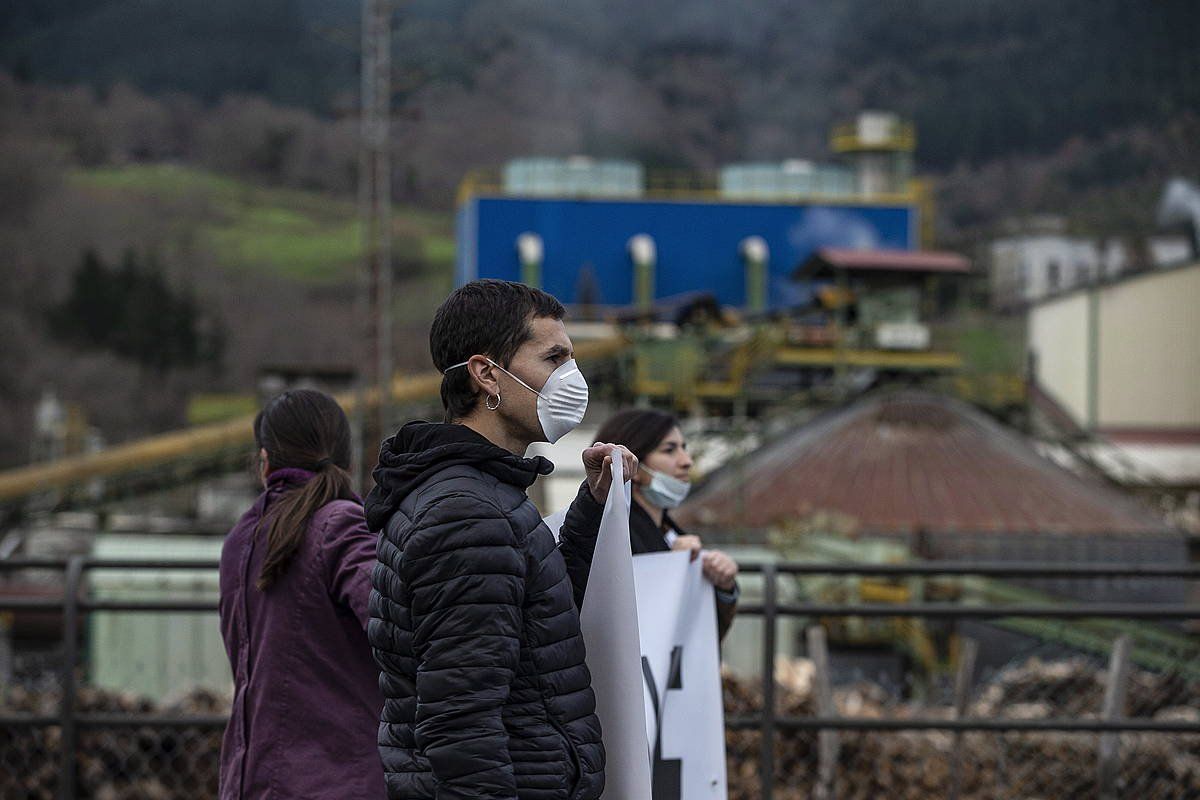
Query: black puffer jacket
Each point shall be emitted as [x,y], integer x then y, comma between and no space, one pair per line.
[475,623]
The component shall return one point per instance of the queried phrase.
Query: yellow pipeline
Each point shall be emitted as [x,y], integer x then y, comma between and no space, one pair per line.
[163,449]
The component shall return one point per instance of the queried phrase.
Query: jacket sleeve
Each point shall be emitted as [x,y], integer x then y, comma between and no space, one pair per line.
[348,550]
[225,606]
[726,611]
[465,573]
[577,539]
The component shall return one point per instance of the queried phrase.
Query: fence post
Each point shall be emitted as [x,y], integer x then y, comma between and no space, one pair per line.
[962,694]
[69,742]
[767,754]
[6,650]
[828,742]
[1114,709]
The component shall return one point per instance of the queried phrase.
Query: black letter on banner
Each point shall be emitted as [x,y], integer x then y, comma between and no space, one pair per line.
[667,778]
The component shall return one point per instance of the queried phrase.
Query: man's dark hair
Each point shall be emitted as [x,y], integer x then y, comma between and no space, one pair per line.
[487,317]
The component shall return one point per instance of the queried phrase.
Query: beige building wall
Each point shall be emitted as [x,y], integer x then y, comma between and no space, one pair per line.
[1149,360]
[1058,337]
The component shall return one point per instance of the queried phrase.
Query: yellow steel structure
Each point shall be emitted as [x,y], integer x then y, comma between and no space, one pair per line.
[922,192]
[680,185]
[882,359]
[902,137]
[689,370]
[992,390]
[679,368]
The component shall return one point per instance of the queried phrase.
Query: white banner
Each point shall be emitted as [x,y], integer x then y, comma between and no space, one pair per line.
[652,620]
[681,666]
[610,631]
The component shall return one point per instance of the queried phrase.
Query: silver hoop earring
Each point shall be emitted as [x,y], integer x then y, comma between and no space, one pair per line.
[488,403]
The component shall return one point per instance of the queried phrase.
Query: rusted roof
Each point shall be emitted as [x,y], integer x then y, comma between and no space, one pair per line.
[911,462]
[828,259]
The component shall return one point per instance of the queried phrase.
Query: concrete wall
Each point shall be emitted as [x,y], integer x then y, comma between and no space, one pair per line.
[1058,336]
[1150,351]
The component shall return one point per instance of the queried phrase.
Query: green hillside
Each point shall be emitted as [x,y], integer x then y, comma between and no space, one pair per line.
[307,236]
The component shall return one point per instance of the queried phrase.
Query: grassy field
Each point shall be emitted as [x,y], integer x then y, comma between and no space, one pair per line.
[308,236]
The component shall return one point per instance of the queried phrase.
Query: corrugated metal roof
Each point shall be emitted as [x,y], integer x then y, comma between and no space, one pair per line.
[920,261]
[912,462]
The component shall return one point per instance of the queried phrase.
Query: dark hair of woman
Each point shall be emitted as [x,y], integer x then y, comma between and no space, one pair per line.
[303,429]
[639,429]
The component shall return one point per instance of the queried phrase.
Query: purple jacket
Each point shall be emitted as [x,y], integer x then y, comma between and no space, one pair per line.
[306,698]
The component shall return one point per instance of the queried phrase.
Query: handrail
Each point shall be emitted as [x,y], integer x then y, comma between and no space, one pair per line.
[1028,569]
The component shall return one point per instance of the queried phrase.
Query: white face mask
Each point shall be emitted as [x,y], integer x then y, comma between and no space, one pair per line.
[665,491]
[561,403]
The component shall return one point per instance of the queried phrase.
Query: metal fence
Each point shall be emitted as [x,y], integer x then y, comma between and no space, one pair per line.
[826,761]
[73,742]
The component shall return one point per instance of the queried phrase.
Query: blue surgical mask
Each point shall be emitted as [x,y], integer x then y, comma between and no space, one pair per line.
[664,491]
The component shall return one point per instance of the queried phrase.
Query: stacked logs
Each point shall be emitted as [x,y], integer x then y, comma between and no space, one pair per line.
[181,762]
[916,765]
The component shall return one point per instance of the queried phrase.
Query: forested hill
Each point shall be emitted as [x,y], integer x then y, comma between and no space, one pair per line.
[689,82]
[210,48]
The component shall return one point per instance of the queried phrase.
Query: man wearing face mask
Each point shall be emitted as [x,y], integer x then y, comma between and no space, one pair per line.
[660,486]
[475,610]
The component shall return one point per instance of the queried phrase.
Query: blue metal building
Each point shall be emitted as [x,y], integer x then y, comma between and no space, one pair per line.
[697,242]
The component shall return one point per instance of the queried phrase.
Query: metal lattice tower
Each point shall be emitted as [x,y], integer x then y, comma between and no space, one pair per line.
[374,301]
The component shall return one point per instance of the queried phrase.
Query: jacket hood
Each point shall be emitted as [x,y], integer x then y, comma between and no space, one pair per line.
[420,449]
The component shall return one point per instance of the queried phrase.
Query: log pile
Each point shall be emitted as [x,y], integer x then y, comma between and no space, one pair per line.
[1074,687]
[180,763]
[917,765]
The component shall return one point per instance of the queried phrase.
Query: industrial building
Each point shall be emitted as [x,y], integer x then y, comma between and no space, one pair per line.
[1042,261]
[913,475]
[1120,362]
[920,466]
[615,234]
[1039,259]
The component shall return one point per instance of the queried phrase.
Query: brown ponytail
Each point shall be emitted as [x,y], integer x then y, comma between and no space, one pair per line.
[303,429]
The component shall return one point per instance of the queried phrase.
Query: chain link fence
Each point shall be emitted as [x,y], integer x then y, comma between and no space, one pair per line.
[1039,685]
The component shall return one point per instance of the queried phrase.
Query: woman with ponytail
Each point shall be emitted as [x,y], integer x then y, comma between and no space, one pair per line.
[295,585]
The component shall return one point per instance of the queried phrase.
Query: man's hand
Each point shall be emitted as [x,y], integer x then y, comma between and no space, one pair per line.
[720,569]
[597,462]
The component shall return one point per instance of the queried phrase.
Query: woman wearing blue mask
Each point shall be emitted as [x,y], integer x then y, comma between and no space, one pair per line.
[660,485]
